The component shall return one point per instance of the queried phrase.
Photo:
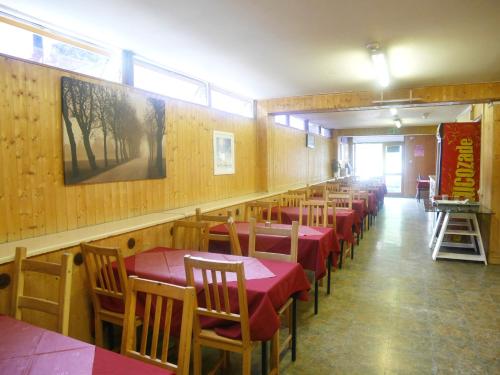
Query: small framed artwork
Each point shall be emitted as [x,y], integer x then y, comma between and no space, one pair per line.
[309,140]
[223,153]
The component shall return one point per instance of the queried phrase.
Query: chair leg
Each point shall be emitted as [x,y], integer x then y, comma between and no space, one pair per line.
[275,353]
[246,362]
[98,332]
[294,328]
[196,358]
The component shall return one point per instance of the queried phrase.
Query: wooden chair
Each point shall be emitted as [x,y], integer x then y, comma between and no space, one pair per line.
[107,278]
[289,200]
[332,187]
[191,235]
[218,306]
[293,234]
[160,298]
[363,195]
[213,218]
[21,301]
[317,192]
[261,211]
[342,200]
[304,191]
[231,237]
[316,211]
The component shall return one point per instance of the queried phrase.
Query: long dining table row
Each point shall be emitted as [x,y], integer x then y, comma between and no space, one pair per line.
[26,349]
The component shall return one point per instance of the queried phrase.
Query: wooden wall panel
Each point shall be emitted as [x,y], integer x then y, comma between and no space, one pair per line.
[415,165]
[291,162]
[33,198]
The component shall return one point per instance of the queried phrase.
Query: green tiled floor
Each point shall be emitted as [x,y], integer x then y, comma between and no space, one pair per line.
[395,311]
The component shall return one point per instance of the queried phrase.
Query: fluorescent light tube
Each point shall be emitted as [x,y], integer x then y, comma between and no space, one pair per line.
[381,68]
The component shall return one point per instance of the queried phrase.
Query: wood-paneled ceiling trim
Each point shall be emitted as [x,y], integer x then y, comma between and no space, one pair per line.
[445,95]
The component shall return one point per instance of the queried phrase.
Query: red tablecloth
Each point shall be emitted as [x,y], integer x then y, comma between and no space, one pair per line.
[265,295]
[315,244]
[359,205]
[423,184]
[346,219]
[26,349]
[372,203]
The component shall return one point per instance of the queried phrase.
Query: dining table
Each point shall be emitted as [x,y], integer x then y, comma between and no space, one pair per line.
[269,284]
[347,221]
[26,349]
[317,246]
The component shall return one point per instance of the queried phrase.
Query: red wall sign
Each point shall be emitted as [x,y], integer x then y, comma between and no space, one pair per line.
[461,147]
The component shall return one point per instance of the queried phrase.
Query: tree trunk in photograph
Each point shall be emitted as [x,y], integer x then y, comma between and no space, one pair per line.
[88,150]
[71,136]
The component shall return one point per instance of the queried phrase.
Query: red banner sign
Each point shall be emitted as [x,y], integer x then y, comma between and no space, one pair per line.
[460,152]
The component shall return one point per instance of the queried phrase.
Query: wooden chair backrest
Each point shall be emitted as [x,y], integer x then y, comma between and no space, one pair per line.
[342,200]
[361,195]
[291,199]
[20,300]
[332,187]
[213,218]
[316,213]
[231,237]
[261,211]
[304,191]
[216,292]
[317,192]
[160,298]
[190,235]
[292,233]
[104,279]
[331,207]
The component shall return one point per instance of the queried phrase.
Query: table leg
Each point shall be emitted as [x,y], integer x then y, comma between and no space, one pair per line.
[341,253]
[316,282]
[330,256]
[294,328]
[264,357]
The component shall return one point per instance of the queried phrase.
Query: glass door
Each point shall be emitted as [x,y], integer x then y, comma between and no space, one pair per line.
[393,167]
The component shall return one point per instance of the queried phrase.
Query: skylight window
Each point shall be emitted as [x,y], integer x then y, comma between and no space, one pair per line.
[231,103]
[314,128]
[281,119]
[297,123]
[22,43]
[168,83]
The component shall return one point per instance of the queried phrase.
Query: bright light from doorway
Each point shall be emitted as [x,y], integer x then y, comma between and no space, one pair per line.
[368,160]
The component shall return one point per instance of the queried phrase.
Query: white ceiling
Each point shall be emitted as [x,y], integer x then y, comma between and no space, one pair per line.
[376,118]
[275,48]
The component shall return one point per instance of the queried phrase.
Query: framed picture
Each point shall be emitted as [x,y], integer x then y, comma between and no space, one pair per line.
[111,133]
[309,140]
[223,153]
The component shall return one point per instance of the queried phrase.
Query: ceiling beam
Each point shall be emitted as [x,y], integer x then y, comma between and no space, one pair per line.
[405,130]
[429,95]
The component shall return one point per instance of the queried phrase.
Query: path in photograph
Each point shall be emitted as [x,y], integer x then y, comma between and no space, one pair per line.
[122,172]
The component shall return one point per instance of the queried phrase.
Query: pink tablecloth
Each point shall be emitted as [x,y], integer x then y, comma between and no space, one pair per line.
[315,244]
[265,294]
[26,349]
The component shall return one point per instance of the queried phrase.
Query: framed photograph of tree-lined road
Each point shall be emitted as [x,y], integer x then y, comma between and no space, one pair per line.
[111,133]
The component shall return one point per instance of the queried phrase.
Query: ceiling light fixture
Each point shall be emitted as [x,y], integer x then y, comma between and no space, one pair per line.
[394,111]
[379,63]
